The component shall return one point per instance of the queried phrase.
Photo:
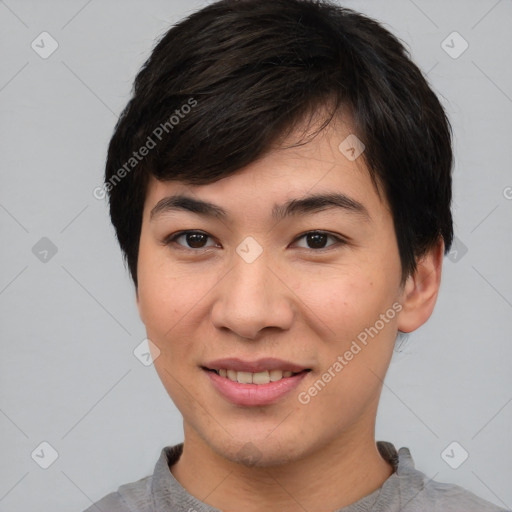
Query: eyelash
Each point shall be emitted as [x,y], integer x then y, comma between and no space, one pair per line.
[171,239]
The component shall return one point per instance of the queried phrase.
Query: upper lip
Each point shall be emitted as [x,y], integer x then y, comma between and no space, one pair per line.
[258,365]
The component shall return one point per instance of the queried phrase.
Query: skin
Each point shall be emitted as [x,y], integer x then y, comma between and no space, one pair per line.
[294,302]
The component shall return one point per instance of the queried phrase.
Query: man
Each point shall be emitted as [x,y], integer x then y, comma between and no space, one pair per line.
[280,185]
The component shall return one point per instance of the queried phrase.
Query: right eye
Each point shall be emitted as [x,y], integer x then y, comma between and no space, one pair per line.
[193,240]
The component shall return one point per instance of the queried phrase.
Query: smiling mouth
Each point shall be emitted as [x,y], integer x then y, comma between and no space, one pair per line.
[258,378]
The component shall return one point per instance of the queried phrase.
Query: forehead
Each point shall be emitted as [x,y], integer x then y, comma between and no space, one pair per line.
[330,163]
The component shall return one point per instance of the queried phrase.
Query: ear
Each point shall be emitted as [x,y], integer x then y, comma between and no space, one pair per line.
[419,293]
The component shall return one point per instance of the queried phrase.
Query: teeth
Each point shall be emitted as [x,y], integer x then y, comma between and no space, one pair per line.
[261,378]
[244,377]
[276,375]
[255,378]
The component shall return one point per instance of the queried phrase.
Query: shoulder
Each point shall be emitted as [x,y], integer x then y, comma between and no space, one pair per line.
[421,493]
[131,497]
[146,494]
[442,497]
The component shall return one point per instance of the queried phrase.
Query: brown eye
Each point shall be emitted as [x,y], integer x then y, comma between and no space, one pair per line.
[319,239]
[192,239]
[316,240]
[196,240]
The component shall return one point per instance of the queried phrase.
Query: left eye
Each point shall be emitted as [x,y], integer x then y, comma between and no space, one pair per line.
[318,239]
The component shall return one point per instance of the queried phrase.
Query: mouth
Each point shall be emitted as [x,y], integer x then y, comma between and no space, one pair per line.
[256,383]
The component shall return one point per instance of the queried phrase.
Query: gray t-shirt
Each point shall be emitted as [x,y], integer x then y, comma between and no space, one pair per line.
[406,490]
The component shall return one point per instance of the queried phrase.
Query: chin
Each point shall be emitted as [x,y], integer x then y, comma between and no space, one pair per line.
[262,452]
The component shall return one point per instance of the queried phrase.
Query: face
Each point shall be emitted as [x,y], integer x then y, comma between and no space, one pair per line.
[269,278]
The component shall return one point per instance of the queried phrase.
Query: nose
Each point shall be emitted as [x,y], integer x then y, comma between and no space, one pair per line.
[253,297]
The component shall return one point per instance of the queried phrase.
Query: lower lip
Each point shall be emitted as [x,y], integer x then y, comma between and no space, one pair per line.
[254,394]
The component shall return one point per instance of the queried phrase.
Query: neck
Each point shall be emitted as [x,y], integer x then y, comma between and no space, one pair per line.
[337,475]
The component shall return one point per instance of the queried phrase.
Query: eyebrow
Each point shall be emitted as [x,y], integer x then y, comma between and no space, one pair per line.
[303,206]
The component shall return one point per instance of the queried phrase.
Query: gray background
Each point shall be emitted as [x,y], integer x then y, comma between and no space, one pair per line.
[69,322]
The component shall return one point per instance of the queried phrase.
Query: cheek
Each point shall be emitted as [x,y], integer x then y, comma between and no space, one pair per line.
[165,292]
[348,303]
[355,357]
[352,307]
[165,302]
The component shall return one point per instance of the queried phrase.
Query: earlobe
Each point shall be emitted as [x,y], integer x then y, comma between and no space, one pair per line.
[420,291]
